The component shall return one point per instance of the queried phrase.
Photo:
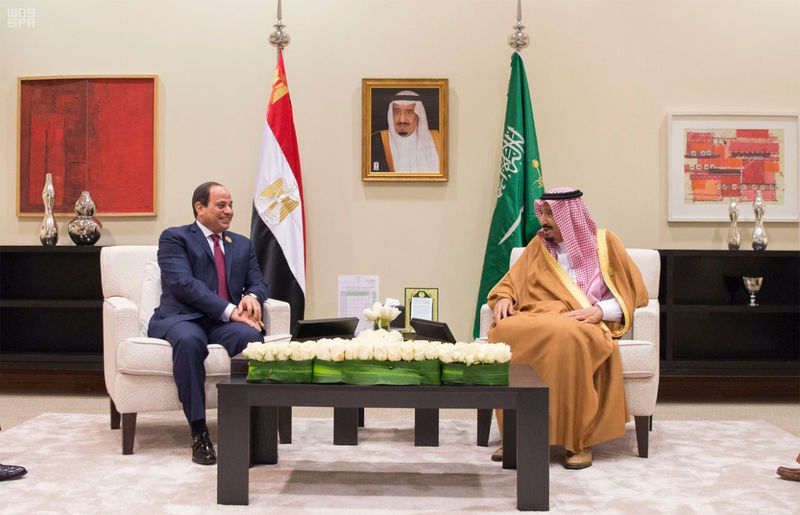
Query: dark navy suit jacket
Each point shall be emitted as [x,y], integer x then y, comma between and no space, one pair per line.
[189,277]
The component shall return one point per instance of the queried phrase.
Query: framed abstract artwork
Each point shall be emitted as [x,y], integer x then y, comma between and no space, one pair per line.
[716,158]
[404,129]
[91,133]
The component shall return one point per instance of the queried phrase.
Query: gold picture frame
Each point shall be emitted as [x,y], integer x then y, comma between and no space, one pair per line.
[412,309]
[386,125]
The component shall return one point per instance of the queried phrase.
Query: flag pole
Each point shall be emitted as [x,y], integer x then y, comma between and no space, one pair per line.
[279,38]
[514,223]
[518,39]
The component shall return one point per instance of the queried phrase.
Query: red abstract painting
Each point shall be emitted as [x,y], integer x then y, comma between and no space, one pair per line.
[725,164]
[91,133]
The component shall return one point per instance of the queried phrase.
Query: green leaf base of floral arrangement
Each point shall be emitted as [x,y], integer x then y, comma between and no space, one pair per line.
[326,371]
[280,371]
[366,372]
[486,374]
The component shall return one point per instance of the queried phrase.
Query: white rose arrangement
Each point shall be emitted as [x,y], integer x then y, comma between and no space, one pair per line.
[280,351]
[381,316]
[475,352]
[377,356]
[379,345]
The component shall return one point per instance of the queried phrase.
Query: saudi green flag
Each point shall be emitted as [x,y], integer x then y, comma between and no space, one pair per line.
[514,222]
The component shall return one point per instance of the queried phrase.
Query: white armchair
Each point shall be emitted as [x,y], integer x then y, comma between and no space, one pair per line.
[639,349]
[138,369]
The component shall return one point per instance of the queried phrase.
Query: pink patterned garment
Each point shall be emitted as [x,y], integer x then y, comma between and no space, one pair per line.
[579,233]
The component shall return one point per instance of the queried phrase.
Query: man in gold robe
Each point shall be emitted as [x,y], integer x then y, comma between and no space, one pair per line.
[407,145]
[560,308]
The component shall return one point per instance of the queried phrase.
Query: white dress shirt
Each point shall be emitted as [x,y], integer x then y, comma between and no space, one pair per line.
[612,311]
[226,315]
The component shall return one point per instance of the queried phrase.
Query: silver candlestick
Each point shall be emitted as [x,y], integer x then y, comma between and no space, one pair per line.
[759,234]
[48,233]
[734,238]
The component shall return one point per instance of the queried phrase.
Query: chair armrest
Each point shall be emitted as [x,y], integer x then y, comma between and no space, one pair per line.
[646,322]
[120,322]
[486,321]
[276,316]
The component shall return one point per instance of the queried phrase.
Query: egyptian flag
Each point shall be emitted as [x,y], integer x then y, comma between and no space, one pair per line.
[277,228]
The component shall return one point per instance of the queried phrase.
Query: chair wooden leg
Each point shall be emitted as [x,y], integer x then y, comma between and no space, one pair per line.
[642,436]
[114,415]
[360,417]
[285,424]
[484,426]
[128,432]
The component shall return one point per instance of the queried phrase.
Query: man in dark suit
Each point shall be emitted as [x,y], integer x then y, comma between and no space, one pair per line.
[212,292]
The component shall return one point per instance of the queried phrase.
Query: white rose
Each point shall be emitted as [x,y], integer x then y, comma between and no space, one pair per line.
[446,352]
[407,351]
[481,352]
[365,350]
[388,313]
[323,349]
[372,314]
[309,349]
[366,334]
[393,350]
[489,353]
[420,348]
[296,351]
[460,352]
[351,349]
[254,351]
[433,350]
[380,351]
[504,353]
[337,349]
[282,351]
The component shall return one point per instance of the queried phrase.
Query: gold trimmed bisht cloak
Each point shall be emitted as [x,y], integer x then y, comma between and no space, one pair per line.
[580,362]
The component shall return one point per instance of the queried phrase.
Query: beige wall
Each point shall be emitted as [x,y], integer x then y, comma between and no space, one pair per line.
[603,74]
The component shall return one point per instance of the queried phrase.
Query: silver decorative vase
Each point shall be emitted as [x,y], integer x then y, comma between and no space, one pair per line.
[48,233]
[84,229]
[734,238]
[759,234]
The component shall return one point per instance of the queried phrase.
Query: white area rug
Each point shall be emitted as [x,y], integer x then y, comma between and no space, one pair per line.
[76,466]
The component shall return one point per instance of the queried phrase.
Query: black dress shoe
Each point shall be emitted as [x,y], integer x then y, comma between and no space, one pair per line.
[11,472]
[203,450]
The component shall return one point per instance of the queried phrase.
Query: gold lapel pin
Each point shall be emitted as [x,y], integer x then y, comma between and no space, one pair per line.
[227,239]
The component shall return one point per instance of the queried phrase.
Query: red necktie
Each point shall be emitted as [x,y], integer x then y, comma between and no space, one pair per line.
[219,261]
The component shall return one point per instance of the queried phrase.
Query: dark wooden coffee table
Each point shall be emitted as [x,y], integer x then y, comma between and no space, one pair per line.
[248,419]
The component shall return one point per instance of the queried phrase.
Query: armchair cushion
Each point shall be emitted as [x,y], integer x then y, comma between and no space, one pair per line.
[151,294]
[152,356]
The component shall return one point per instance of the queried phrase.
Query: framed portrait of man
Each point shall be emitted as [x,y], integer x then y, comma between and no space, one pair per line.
[404,129]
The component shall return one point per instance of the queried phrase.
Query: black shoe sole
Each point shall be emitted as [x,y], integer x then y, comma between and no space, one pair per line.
[211,461]
[577,467]
[12,478]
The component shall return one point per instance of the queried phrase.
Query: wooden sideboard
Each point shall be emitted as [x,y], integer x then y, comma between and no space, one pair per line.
[707,326]
[51,305]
